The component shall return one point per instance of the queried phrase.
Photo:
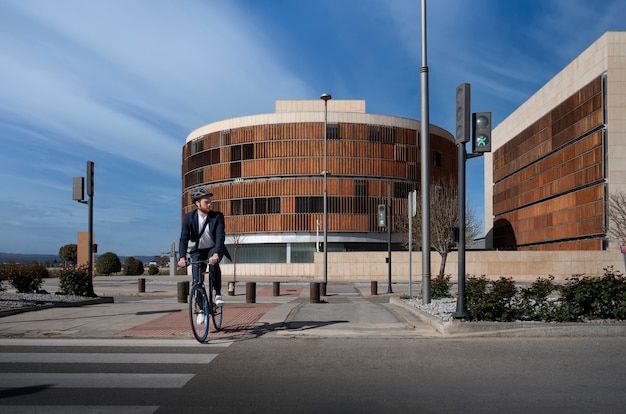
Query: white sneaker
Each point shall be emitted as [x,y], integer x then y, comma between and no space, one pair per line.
[218,300]
[200,318]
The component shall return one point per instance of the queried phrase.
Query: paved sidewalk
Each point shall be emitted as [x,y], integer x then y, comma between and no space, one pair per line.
[157,313]
[348,310]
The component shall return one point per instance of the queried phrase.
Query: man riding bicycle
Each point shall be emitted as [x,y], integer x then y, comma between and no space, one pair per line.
[205,228]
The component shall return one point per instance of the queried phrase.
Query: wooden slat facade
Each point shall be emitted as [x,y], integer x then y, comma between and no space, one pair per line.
[549,180]
[246,167]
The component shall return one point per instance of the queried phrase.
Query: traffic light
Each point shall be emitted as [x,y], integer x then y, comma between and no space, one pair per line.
[463,113]
[382,215]
[78,192]
[90,178]
[481,141]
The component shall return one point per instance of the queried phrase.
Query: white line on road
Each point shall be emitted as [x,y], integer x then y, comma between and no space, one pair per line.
[105,358]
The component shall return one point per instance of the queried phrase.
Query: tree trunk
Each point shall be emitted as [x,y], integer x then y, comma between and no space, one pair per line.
[442,268]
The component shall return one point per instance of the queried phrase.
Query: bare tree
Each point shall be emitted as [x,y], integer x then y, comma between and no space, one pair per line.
[617,217]
[444,217]
[237,239]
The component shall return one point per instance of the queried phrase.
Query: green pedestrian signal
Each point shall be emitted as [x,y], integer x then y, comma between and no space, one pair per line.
[481,139]
[382,215]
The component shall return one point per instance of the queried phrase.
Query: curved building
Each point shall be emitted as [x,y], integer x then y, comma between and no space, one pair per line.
[266,172]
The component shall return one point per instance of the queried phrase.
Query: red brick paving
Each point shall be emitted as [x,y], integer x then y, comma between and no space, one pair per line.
[239,319]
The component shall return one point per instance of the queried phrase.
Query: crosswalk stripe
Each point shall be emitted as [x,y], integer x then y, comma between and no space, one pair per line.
[99,380]
[78,409]
[122,342]
[105,358]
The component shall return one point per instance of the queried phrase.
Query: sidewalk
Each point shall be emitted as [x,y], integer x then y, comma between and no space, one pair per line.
[348,310]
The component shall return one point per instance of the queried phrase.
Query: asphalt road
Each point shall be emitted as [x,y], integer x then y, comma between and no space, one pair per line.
[309,375]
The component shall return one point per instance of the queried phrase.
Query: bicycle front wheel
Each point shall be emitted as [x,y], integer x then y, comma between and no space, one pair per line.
[199,313]
[216,316]
[216,311]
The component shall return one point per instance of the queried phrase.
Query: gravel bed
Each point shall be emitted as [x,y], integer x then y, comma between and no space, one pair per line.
[9,301]
[440,308]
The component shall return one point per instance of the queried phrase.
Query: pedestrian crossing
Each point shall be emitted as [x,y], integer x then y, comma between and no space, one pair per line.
[39,381]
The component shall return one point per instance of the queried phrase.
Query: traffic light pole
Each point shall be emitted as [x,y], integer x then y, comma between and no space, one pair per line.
[389,239]
[461,308]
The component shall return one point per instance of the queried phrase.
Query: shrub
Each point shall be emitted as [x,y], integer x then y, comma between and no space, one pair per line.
[133,266]
[534,303]
[441,287]
[153,270]
[597,297]
[108,263]
[491,301]
[25,278]
[74,280]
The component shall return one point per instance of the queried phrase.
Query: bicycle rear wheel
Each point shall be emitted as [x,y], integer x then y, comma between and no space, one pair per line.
[199,312]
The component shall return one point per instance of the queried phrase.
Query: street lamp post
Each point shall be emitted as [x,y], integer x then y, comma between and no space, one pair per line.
[325,97]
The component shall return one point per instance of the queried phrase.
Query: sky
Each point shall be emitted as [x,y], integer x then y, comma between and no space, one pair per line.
[123,82]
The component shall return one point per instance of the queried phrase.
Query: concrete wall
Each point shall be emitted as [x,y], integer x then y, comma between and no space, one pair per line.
[359,266]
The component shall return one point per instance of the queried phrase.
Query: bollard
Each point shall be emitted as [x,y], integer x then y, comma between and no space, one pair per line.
[322,288]
[141,285]
[183,291]
[374,288]
[276,288]
[314,296]
[250,292]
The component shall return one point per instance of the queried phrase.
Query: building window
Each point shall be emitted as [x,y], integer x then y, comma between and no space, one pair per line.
[333,131]
[197,146]
[235,169]
[273,205]
[437,159]
[360,197]
[309,204]
[225,137]
[248,151]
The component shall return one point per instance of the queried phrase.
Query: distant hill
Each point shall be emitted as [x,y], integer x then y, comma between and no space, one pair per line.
[52,258]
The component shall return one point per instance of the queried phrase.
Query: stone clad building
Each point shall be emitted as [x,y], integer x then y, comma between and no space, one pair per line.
[555,160]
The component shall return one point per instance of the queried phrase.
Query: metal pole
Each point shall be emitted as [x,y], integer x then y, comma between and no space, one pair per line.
[389,239]
[410,209]
[325,97]
[425,161]
[461,310]
[90,248]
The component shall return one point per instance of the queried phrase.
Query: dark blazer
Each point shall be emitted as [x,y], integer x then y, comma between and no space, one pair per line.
[190,230]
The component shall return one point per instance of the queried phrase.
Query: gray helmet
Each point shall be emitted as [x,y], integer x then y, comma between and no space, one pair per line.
[198,193]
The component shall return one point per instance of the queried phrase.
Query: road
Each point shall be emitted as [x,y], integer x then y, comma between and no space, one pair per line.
[278,374]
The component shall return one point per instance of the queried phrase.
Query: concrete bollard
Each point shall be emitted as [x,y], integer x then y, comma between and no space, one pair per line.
[183,291]
[250,292]
[141,285]
[276,288]
[314,296]
[322,288]
[374,288]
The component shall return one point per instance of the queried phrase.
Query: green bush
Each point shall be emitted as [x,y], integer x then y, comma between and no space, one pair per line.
[534,303]
[597,297]
[108,263]
[133,266]
[582,297]
[491,301]
[153,270]
[440,287]
[74,280]
[25,278]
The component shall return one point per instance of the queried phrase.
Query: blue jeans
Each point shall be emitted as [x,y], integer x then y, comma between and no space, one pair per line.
[215,273]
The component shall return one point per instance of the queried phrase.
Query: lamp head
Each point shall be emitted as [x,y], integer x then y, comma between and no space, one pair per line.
[326,97]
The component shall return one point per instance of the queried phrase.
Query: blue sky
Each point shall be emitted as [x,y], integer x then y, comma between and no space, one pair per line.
[123,82]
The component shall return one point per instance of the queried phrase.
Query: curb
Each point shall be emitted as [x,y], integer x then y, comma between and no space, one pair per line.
[457,328]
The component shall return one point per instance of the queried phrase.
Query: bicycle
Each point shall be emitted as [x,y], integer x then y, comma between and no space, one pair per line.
[202,305]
